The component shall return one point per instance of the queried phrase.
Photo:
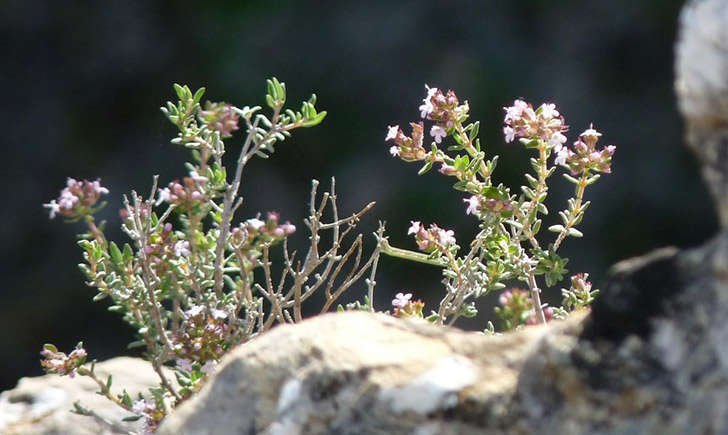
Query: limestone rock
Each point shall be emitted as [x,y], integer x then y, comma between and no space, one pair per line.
[361,373]
[42,405]
[701,69]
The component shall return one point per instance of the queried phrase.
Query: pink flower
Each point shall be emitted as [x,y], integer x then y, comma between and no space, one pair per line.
[394,150]
[438,133]
[414,228]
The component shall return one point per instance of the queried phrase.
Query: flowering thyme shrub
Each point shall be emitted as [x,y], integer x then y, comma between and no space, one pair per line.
[506,248]
[194,281]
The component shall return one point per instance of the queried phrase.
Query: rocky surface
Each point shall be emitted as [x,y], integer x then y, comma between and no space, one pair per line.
[42,405]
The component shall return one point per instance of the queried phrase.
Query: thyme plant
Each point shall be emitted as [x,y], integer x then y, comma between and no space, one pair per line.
[195,281]
[507,247]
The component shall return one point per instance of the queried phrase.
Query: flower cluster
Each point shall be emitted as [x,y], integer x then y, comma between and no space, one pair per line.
[220,117]
[186,195]
[254,232]
[506,247]
[164,246]
[579,296]
[433,238]
[516,309]
[191,283]
[442,108]
[404,306]
[58,362]
[77,199]
[151,412]
[586,157]
[545,123]
[203,337]
[407,148]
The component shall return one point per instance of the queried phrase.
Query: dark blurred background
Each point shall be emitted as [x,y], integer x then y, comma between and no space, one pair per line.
[82,83]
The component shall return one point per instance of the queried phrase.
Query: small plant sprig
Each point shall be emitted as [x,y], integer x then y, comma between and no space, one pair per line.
[192,282]
[506,248]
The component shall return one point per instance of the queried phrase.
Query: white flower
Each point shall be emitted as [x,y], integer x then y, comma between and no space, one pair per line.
[509,133]
[139,407]
[194,311]
[473,205]
[557,140]
[515,111]
[182,248]
[427,108]
[67,199]
[561,156]
[591,132]
[394,151]
[97,187]
[218,314]
[54,208]
[438,133]
[163,196]
[414,228]
[255,223]
[548,110]
[447,237]
[392,132]
[401,300]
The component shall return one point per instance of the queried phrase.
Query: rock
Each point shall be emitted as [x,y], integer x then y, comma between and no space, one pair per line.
[361,373]
[701,69]
[42,405]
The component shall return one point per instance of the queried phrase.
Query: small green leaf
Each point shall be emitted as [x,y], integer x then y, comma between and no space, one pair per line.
[132,418]
[179,91]
[198,95]
[571,179]
[556,228]
[116,256]
[474,130]
[108,382]
[50,347]
[593,179]
[100,296]
[573,232]
[425,168]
